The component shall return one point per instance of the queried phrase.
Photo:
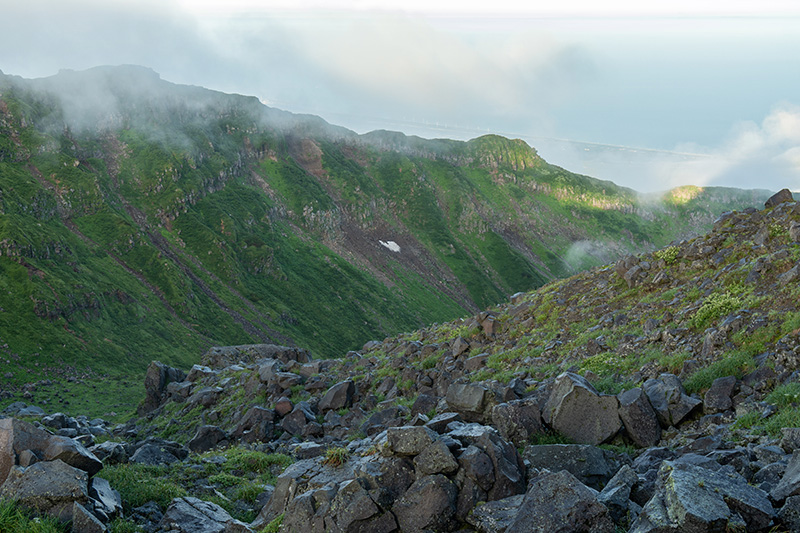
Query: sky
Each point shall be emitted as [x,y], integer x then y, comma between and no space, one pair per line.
[650,95]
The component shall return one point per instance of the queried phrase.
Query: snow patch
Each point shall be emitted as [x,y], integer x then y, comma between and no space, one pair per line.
[391,245]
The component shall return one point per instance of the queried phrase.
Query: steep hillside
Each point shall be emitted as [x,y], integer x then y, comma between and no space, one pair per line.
[142,219]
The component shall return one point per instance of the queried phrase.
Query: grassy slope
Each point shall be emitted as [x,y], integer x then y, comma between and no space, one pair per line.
[191,222]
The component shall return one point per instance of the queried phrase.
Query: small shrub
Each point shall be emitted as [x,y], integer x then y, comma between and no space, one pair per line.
[716,305]
[225,480]
[747,420]
[430,362]
[336,457]
[669,255]
[776,230]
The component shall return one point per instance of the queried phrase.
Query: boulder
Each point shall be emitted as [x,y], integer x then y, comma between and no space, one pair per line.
[559,503]
[410,440]
[509,469]
[106,499]
[468,399]
[338,396]
[669,399]
[789,515]
[85,522]
[575,409]
[156,379]
[517,420]
[225,356]
[496,516]
[593,466]
[435,459]
[789,484]
[49,487]
[16,436]
[258,423]
[424,404]
[617,493]
[153,455]
[784,195]
[199,372]
[192,515]
[207,438]
[639,418]
[428,504]
[73,453]
[295,422]
[719,396]
[477,466]
[692,498]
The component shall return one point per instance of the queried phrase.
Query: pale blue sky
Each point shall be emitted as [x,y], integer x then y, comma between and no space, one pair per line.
[717,80]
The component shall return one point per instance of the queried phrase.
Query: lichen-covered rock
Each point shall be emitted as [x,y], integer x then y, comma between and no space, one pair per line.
[338,396]
[669,399]
[719,396]
[593,466]
[693,498]
[410,440]
[496,516]
[192,515]
[639,418]
[517,420]
[428,504]
[467,399]
[206,438]
[559,503]
[49,487]
[576,410]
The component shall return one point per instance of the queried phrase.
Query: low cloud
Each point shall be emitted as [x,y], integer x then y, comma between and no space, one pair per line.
[763,155]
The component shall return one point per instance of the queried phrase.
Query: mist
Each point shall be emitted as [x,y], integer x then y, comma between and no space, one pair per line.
[649,98]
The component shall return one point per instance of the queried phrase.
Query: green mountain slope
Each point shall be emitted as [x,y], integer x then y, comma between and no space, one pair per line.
[144,220]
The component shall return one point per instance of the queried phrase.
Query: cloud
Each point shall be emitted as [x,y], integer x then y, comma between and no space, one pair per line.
[763,155]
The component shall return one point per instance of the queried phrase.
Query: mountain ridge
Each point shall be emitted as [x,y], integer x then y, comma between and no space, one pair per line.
[141,217]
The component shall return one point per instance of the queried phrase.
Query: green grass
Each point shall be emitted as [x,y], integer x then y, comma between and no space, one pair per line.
[736,364]
[14,519]
[139,484]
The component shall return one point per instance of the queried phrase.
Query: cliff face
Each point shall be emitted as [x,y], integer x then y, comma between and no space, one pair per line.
[141,219]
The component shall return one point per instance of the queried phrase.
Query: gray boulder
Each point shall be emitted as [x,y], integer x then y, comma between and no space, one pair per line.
[106,499]
[789,515]
[719,396]
[616,494]
[428,504]
[509,469]
[338,396]
[410,440]
[49,487]
[295,422]
[85,522]
[496,516]
[517,420]
[192,515]
[693,498]
[206,438]
[669,399]
[257,425]
[784,195]
[593,466]
[789,484]
[153,455]
[559,503]
[435,459]
[73,453]
[468,399]
[156,379]
[575,409]
[639,418]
